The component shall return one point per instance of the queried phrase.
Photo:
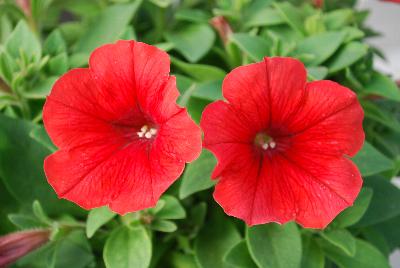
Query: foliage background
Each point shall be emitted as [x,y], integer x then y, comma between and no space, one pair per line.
[42,39]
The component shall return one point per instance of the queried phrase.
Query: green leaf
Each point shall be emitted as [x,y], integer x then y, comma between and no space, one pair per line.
[96,218]
[275,246]
[23,39]
[337,19]
[54,44]
[25,221]
[163,226]
[215,239]
[72,250]
[265,16]
[366,256]
[193,41]
[58,65]
[197,176]
[354,213]
[41,89]
[107,26]
[7,67]
[313,257]
[317,73]
[210,90]
[370,161]
[200,72]
[256,47]
[179,260]
[128,247]
[321,46]
[342,239]
[239,256]
[383,86]
[346,56]
[385,203]
[381,115]
[39,213]
[192,15]
[22,169]
[292,16]
[39,134]
[172,209]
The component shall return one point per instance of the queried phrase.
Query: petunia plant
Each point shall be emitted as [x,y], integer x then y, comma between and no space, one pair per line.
[195,134]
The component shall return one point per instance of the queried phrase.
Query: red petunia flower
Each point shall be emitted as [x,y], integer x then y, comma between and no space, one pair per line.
[282,145]
[123,139]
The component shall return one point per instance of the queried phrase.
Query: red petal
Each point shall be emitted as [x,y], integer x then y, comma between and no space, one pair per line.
[281,189]
[286,83]
[323,186]
[73,107]
[329,122]
[245,88]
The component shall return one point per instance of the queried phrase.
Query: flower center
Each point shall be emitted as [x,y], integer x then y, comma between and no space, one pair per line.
[147,132]
[264,141]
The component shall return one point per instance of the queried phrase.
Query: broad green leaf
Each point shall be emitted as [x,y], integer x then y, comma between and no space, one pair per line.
[41,89]
[366,256]
[215,239]
[377,239]
[200,72]
[54,44]
[24,222]
[370,161]
[96,218]
[108,26]
[72,250]
[197,176]
[128,247]
[38,133]
[354,213]
[58,65]
[352,33]
[385,203]
[210,90]
[238,256]
[313,257]
[172,209]
[342,239]
[291,15]
[383,86]
[390,231]
[321,46]
[317,73]
[193,41]
[275,246]
[7,67]
[163,226]
[254,46]
[337,19]
[381,115]
[264,16]
[22,169]
[346,56]
[23,39]
[179,260]
[192,15]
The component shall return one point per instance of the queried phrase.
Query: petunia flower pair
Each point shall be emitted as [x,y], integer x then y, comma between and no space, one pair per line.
[282,144]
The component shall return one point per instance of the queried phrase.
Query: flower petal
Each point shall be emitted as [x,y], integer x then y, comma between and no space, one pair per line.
[71,108]
[246,88]
[286,88]
[330,121]
[280,189]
